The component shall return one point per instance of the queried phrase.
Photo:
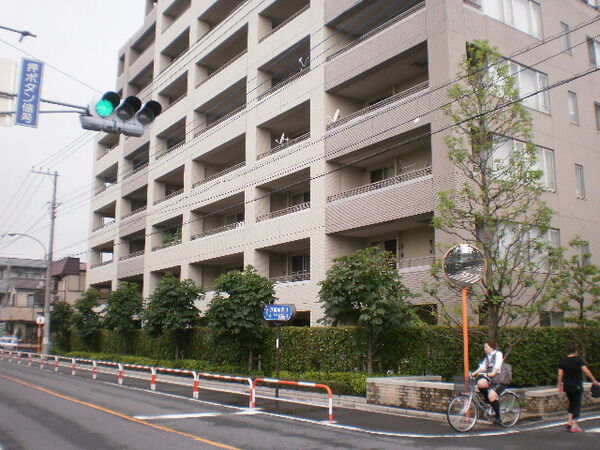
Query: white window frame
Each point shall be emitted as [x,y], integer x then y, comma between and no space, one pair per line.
[566,38]
[505,13]
[540,101]
[579,181]
[572,107]
[594,51]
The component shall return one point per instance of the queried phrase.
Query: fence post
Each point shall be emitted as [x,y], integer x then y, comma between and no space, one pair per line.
[121,373]
[153,379]
[94,370]
[196,385]
[73,362]
[56,363]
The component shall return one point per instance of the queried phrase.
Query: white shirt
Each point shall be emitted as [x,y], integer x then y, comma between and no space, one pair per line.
[495,357]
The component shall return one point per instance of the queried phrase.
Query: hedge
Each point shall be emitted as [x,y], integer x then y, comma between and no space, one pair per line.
[338,354]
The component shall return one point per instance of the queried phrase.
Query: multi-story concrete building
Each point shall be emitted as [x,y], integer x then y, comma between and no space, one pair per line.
[294,132]
[22,290]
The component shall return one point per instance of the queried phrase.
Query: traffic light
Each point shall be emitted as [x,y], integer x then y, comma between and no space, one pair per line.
[108,113]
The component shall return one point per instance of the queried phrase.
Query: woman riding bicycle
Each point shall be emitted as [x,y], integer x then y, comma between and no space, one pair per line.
[487,371]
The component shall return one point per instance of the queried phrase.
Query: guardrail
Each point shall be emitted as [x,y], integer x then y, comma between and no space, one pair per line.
[143,372]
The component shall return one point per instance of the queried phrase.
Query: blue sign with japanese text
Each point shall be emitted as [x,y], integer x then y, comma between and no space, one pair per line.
[30,88]
[281,313]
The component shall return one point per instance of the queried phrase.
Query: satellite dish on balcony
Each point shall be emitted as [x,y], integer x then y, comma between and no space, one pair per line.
[303,61]
[282,139]
[336,116]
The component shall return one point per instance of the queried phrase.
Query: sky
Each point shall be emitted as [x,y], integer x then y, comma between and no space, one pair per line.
[79,41]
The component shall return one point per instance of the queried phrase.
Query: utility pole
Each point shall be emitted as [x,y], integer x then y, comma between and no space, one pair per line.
[46,347]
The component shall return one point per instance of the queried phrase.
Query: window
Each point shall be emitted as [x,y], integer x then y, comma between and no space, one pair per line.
[529,81]
[551,319]
[597,112]
[524,15]
[594,51]
[566,37]
[579,182]
[30,300]
[584,254]
[545,163]
[300,264]
[297,199]
[573,112]
[382,174]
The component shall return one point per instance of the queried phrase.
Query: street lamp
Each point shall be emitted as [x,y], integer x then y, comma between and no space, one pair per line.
[48,257]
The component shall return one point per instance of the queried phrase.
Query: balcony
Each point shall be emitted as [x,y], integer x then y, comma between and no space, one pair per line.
[220,120]
[298,276]
[170,196]
[222,107]
[220,174]
[216,14]
[284,82]
[218,230]
[283,131]
[280,13]
[100,264]
[223,56]
[167,245]
[404,264]
[283,146]
[136,169]
[399,179]
[132,255]
[134,212]
[104,225]
[284,211]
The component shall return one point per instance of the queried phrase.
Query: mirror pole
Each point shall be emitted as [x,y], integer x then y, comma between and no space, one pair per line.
[465,320]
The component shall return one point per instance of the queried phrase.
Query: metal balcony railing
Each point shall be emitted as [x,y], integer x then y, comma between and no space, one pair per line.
[132,255]
[378,29]
[399,179]
[177,100]
[104,225]
[170,149]
[219,174]
[222,229]
[297,276]
[168,244]
[103,263]
[136,170]
[415,262]
[284,23]
[287,144]
[220,120]
[284,82]
[223,67]
[284,211]
[386,101]
[167,197]
[134,212]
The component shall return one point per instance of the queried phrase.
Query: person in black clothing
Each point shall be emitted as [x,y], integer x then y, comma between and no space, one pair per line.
[570,381]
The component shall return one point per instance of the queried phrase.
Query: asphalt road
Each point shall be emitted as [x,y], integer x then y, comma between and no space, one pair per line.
[41,409]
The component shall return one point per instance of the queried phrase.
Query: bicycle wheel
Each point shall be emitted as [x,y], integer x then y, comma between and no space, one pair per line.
[462,413]
[510,409]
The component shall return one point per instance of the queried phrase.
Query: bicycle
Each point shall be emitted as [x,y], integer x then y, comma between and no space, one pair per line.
[464,409]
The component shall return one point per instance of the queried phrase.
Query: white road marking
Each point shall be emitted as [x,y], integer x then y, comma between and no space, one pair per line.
[249,412]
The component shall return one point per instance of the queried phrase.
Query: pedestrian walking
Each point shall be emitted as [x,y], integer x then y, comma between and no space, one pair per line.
[570,381]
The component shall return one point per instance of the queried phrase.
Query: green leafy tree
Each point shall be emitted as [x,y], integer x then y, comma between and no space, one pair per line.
[576,288]
[60,318]
[171,309]
[235,313]
[497,206]
[85,320]
[123,307]
[365,289]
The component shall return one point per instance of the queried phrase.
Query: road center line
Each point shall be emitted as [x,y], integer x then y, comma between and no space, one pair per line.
[116,413]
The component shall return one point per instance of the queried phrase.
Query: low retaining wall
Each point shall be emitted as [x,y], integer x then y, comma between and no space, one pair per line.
[429,393]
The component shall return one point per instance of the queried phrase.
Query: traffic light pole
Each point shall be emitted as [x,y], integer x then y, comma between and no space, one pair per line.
[44,100]
[46,347]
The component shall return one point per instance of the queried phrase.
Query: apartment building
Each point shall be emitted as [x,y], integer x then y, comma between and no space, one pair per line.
[294,132]
[22,290]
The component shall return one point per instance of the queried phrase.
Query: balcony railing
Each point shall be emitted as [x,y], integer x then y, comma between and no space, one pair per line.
[242,3]
[378,29]
[297,276]
[398,179]
[168,244]
[167,197]
[284,211]
[415,262]
[219,174]
[170,149]
[134,212]
[220,120]
[104,187]
[103,263]
[177,100]
[104,225]
[384,102]
[284,82]
[223,67]
[284,145]
[132,255]
[284,23]
[222,229]
[136,170]
[107,151]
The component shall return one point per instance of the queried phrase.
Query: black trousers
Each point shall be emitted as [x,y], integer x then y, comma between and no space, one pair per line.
[575,403]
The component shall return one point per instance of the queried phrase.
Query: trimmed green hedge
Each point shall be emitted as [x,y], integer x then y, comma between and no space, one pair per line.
[337,355]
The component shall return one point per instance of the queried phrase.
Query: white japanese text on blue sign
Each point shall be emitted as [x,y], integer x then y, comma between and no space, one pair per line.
[30,87]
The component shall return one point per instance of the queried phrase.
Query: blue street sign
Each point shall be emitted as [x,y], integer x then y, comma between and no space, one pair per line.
[30,88]
[281,313]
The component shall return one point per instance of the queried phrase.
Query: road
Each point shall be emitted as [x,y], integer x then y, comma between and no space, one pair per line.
[41,409]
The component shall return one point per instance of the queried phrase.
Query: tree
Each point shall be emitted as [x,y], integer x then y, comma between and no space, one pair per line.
[365,289]
[497,206]
[171,309]
[85,320]
[60,318]
[235,312]
[576,288]
[124,305]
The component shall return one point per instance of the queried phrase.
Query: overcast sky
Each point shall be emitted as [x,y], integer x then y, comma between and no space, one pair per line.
[80,39]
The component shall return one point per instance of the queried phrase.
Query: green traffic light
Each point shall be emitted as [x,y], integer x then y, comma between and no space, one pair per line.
[104,108]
